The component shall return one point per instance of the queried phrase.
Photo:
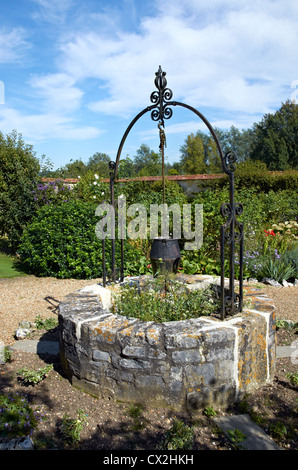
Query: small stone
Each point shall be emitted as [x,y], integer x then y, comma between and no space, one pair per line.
[271,282]
[22,443]
[22,333]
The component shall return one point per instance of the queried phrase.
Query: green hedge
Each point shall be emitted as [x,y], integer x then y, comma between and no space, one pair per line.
[61,242]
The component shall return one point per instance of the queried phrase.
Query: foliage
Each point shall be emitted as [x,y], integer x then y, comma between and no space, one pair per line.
[17,417]
[209,412]
[236,437]
[163,300]
[52,192]
[276,137]
[180,436]
[45,323]
[278,430]
[19,170]
[293,378]
[92,188]
[33,377]
[5,354]
[192,155]
[99,163]
[238,140]
[275,268]
[61,242]
[147,162]
[71,427]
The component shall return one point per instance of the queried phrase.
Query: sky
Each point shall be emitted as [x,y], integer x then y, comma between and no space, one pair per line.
[74,74]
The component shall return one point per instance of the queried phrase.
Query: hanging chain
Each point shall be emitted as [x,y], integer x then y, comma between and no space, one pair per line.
[162,145]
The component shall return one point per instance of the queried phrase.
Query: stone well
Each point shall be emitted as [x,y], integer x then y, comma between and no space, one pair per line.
[181,365]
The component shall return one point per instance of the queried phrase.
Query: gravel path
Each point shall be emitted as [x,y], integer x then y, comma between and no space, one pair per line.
[24,298]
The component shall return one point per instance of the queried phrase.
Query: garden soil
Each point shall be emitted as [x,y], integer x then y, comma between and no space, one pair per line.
[122,426]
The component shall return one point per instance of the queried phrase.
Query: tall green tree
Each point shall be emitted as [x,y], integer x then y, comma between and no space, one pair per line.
[147,162]
[241,141]
[193,155]
[19,173]
[99,164]
[276,138]
[213,158]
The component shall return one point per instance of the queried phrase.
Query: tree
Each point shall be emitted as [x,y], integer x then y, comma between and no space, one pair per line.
[240,141]
[147,162]
[126,168]
[193,155]
[99,164]
[19,170]
[213,158]
[276,138]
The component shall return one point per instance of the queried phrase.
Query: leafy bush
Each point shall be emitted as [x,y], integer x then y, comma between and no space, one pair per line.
[275,268]
[61,242]
[52,192]
[33,377]
[92,188]
[18,172]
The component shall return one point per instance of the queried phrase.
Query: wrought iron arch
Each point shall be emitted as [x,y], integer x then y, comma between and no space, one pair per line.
[231,231]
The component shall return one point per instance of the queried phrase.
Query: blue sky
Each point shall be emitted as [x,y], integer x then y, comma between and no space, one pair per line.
[74,74]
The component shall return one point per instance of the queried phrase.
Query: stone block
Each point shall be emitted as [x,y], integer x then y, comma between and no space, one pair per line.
[101,356]
[138,352]
[185,356]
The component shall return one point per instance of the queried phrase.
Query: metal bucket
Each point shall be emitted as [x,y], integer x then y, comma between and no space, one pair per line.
[165,255]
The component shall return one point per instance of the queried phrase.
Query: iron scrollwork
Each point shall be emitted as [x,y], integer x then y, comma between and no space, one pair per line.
[161,98]
[231,233]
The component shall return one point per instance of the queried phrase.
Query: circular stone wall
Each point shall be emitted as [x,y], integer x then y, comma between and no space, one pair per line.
[188,364]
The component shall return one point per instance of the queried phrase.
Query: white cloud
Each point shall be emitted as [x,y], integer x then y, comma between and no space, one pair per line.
[13,43]
[40,127]
[214,61]
[57,92]
[52,11]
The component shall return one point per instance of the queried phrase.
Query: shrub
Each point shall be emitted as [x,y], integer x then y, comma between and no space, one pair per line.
[163,300]
[18,170]
[71,427]
[179,436]
[92,188]
[275,268]
[33,377]
[61,242]
[17,417]
[52,192]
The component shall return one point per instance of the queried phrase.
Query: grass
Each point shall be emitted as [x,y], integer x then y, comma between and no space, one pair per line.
[10,267]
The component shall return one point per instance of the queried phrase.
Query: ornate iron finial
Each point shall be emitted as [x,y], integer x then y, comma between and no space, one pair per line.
[161,98]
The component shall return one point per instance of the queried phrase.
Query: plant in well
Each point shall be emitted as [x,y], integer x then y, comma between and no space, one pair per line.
[163,299]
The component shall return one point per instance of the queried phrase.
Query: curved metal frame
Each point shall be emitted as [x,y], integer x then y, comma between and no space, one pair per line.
[232,231]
